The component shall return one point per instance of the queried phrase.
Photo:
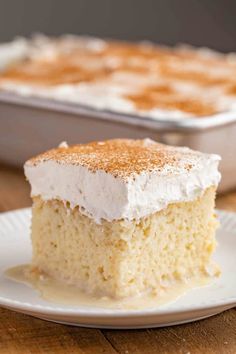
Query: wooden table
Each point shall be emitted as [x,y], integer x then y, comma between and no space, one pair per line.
[24,334]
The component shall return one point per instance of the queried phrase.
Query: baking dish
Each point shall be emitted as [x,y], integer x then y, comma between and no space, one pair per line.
[29,125]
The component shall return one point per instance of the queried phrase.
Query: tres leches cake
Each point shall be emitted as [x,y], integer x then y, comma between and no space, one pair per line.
[120,218]
[141,79]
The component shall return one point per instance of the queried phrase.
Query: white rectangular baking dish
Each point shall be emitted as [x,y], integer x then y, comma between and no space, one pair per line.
[29,125]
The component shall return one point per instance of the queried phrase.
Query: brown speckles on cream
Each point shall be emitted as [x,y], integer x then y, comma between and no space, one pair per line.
[119,157]
[148,101]
[188,166]
[167,79]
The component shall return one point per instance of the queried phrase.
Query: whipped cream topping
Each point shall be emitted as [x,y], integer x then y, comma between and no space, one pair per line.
[12,52]
[103,190]
[143,79]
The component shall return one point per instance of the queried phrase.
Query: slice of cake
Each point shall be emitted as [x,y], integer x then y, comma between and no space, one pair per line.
[123,217]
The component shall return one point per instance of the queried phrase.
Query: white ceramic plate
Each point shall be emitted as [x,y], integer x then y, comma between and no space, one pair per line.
[196,304]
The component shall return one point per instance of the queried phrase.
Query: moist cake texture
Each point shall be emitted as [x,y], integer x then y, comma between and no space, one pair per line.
[136,78]
[123,217]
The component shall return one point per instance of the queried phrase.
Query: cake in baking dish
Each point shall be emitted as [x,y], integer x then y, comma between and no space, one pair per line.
[135,78]
[120,217]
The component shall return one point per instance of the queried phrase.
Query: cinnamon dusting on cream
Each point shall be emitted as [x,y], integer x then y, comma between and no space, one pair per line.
[120,157]
[167,79]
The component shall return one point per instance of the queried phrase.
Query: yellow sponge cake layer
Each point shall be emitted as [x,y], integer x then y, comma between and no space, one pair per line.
[124,257]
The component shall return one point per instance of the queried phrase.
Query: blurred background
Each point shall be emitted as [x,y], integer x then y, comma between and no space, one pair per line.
[198,22]
[28,128]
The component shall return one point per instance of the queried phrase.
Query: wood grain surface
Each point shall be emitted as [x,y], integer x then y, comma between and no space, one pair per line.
[26,335]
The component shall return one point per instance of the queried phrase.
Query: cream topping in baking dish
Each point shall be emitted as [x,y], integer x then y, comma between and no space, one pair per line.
[121,178]
[142,79]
